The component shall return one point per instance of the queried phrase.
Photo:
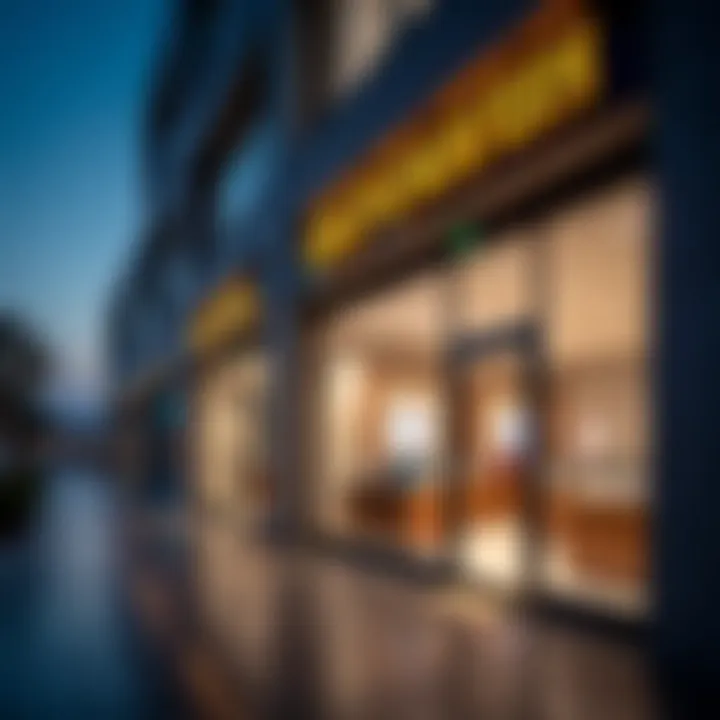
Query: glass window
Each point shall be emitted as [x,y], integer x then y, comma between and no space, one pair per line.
[231,438]
[246,175]
[494,284]
[597,508]
[380,419]
[598,258]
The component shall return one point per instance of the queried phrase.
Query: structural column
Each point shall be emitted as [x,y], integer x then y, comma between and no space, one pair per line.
[686,65]
[281,310]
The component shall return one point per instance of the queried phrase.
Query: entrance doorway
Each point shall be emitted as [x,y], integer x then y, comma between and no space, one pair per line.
[495,444]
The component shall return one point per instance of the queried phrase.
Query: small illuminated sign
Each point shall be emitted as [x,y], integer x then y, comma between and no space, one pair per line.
[464,237]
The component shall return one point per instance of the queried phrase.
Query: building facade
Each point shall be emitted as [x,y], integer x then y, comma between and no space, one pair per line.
[411,268]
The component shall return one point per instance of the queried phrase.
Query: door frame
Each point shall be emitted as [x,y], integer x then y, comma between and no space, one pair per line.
[522,338]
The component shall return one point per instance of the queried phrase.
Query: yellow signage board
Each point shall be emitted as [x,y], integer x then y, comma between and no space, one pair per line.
[546,73]
[231,310]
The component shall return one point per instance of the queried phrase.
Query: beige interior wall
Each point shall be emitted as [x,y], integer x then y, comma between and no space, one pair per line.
[374,354]
[598,327]
[406,319]
[600,434]
[594,256]
[347,386]
[231,430]
[494,286]
[599,257]
[606,406]
[343,387]
[359,396]
[215,444]
[598,331]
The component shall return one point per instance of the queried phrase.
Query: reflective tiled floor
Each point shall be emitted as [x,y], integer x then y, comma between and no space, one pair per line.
[259,633]
[313,638]
[68,646]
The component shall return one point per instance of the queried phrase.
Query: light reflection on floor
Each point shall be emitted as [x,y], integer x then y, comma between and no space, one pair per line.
[319,639]
[494,552]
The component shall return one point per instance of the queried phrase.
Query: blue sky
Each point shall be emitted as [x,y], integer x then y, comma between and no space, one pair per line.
[73,79]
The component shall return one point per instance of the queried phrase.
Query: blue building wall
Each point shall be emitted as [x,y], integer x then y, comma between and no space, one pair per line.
[210,52]
[686,78]
[259,227]
[428,55]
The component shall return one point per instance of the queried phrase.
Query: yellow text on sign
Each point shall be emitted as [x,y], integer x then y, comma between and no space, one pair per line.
[231,310]
[547,88]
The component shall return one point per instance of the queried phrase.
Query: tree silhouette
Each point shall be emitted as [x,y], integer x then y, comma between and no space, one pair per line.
[24,364]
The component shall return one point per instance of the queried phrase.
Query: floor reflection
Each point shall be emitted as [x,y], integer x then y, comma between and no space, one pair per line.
[68,648]
[313,638]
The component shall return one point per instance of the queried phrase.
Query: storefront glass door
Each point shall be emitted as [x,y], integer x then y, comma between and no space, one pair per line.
[494,442]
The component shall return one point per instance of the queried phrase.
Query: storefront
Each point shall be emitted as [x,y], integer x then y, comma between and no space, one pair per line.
[380,417]
[477,335]
[550,364]
[228,434]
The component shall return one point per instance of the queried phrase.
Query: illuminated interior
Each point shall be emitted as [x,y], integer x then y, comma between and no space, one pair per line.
[494,431]
[231,439]
[381,424]
[565,454]
[587,267]
[598,502]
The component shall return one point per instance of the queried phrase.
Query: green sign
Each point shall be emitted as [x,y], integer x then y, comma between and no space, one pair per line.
[464,237]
